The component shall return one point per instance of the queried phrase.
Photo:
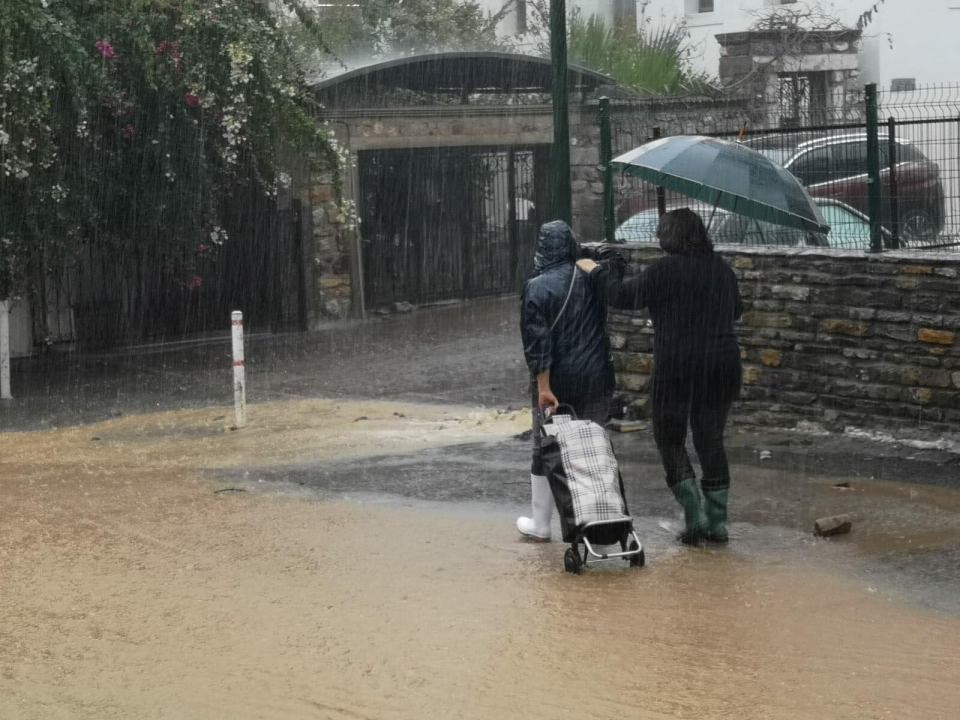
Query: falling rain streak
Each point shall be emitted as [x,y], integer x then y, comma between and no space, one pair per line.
[264,407]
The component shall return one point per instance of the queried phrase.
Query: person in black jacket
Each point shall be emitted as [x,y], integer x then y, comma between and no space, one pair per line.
[693,299]
[563,326]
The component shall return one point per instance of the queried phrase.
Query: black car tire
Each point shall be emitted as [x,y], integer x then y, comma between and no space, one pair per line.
[918,227]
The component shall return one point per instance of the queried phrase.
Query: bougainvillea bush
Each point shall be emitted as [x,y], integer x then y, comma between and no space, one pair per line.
[126,126]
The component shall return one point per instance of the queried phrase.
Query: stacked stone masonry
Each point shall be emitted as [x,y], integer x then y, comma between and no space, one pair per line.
[829,337]
[331,254]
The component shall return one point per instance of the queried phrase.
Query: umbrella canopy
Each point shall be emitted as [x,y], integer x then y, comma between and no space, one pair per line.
[727,175]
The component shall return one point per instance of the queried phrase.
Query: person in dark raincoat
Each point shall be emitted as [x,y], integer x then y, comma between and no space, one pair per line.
[563,326]
[693,299]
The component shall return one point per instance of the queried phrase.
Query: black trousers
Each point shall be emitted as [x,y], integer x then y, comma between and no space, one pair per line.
[679,403]
[588,405]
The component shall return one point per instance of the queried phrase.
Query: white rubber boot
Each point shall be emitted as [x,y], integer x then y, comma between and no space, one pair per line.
[538,527]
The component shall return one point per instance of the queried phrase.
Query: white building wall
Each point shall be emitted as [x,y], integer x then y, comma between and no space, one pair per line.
[923,33]
[728,16]
[924,37]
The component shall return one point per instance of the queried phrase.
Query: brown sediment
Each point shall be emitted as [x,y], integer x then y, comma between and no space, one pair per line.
[130,589]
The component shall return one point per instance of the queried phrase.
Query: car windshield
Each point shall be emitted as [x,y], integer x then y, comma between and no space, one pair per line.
[847,230]
[725,229]
[641,227]
[740,230]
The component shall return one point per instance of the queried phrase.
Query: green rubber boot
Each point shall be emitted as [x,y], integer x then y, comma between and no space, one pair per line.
[715,508]
[688,495]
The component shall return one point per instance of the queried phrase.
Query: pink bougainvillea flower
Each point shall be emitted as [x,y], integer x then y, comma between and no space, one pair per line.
[106,49]
[195,282]
[192,99]
[128,132]
[203,249]
[171,48]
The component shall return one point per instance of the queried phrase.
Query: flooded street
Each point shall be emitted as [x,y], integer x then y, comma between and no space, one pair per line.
[280,282]
[162,566]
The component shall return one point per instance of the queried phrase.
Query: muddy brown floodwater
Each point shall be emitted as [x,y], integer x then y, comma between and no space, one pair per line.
[132,589]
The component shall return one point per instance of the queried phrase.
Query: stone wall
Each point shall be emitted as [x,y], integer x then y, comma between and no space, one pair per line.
[332,232]
[834,338]
[586,176]
[447,126]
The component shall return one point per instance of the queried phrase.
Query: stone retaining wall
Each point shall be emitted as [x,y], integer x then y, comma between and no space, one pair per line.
[836,338]
[332,289]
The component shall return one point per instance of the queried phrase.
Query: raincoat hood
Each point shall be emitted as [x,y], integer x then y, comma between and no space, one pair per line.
[556,245]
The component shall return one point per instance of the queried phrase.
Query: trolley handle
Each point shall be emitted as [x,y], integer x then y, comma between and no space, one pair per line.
[547,413]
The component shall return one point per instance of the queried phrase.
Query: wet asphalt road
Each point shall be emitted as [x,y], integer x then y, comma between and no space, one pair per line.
[463,353]
[907,547]
[470,354]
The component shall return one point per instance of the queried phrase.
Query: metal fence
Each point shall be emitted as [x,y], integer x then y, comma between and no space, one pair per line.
[446,223]
[927,122]
[914,164]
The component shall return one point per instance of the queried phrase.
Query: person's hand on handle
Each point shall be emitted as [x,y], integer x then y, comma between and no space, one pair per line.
[548,400]
[587,265]
[545,396]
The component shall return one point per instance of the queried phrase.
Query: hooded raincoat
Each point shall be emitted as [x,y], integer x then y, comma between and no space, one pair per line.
[571,344]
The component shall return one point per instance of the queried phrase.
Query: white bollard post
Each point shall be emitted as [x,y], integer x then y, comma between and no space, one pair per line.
[239,374]
[5,350]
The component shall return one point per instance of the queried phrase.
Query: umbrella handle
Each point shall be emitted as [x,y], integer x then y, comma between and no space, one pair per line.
[716,199]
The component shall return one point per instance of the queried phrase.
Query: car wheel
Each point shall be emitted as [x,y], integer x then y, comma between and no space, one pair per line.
[917,228]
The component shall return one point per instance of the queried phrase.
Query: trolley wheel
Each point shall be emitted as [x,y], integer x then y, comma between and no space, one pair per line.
[571,561]
[638,560]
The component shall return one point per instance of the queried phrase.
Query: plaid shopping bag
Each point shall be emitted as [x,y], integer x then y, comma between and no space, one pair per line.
[584,476]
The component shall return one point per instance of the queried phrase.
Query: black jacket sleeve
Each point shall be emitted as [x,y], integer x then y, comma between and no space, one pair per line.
[630,292]
[606,279]
[535,330]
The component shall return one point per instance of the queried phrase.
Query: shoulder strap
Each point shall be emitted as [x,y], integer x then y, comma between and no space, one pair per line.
[573,278]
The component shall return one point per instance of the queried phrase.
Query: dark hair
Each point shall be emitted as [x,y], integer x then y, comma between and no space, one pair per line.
[681,232]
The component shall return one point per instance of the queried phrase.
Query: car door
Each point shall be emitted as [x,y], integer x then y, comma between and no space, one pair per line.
[852,183]
[847,231]
[920,193]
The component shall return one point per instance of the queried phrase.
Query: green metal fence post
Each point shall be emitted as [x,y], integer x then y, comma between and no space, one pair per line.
[873,168]
[606,155]
[894,189]
[560,192]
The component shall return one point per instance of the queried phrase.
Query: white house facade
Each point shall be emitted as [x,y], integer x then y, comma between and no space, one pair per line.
[906,43]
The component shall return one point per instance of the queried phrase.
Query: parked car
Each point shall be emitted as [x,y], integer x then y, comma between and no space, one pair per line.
[725,228]
[835,167]
[849,228]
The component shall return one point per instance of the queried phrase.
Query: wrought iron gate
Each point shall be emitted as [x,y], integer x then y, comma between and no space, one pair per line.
[446,223]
